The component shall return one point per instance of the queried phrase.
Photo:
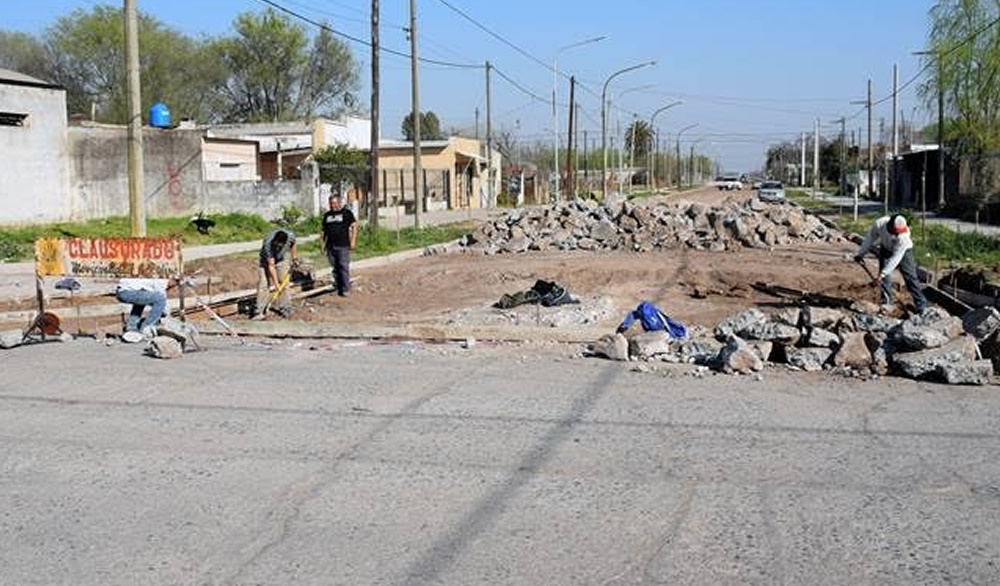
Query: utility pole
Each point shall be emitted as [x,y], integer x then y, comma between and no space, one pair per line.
[373,203]
[871,152]
[586,164]
[489,139]
[418,172]
[477,123]
[843,156]
[802,166]
[691,166]
[680,177]
[631,153]
[816,176]
[571,176]
[136,199]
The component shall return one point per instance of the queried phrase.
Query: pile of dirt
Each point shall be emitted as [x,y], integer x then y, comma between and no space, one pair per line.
[587,225]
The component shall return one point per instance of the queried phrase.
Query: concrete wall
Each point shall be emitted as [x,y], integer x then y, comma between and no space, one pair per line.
[174,177]
[35,178]
[229,160]
[353,132]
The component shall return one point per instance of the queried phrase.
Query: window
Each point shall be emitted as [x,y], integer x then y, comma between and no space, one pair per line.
[229,165]
[12,119]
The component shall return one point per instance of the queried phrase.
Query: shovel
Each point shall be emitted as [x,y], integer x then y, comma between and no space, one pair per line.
[277,293]
[873,278]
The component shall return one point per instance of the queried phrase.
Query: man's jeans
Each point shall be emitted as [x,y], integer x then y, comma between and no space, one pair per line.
[283,301]
[908,268]
[340,265]
[156,300]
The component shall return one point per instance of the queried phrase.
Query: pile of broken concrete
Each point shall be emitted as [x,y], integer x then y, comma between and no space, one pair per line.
[856,342]
[623,225]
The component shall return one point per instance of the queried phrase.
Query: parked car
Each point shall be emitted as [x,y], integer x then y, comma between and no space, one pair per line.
[771,191]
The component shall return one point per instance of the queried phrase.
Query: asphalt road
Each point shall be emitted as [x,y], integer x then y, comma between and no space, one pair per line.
[402,464]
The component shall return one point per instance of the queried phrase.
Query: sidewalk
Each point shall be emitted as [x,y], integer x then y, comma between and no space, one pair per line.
[17,280]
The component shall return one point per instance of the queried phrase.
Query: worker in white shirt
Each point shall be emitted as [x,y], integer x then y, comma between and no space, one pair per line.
[890,238]
[142,293]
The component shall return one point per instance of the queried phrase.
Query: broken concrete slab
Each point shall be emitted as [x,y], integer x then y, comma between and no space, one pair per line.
[698,351]
[821,317]
[611,346]
[735,325]
[649,344]
[871,322]
[971,372]
[981,322]
[808,359]
[925,362]
[791,316]
[739,357]
[762,348]
[920,333]
[11,338]
[772,332]
[821,338]
[165,347]
[853,351]
[183,332]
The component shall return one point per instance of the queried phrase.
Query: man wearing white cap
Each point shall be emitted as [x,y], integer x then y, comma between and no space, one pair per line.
[890,238]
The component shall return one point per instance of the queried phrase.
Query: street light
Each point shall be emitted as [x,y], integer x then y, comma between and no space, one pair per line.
[555,108]
[612,100]
[682,131]
[652,166]
[604,122]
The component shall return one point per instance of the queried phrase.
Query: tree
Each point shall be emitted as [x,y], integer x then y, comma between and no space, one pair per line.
[640,134]
[342,164]
[966,57]
[430,126]
[25,54]
[275,75]
[84,53]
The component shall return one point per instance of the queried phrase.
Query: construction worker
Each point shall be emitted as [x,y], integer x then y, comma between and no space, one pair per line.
[340,237]
[272,269]
[890,238]
[142,293]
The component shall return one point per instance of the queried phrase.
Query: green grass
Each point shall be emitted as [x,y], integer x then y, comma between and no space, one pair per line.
[384,241]
[17,242]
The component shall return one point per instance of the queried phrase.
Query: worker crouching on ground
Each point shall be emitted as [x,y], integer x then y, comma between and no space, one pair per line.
[890,238]
[272,270]
[340,237]
[142,293]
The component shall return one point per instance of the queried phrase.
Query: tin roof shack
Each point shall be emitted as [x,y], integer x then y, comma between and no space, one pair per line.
[35,184]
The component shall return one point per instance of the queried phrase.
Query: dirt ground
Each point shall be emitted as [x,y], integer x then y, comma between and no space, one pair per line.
[696,287]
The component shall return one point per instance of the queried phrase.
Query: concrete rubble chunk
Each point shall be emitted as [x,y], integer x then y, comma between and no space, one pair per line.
[611,346]
[771,332]
[183,332]
[821,338]
[971,372]
[981,322]
[868,322]
[853,352]
[821,317]
[740,322]
[739,357]
[649,344]
[699,351]
[762,348]
[808,359]
[929,330]
[165,347]
[789,317]
[11,338]
[925,362]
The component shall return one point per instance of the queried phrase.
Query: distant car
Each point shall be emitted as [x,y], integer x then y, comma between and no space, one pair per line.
[729,183]
[771,191]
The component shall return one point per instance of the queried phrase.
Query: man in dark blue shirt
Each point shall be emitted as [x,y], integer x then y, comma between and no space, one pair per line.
[340,237]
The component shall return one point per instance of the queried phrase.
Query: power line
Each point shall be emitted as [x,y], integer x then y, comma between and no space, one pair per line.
[361,41]
[495,35]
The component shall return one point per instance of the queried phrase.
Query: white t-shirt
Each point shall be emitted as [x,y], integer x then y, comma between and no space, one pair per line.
[155,285]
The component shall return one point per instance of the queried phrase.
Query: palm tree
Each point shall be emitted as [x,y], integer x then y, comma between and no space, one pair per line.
[639,131]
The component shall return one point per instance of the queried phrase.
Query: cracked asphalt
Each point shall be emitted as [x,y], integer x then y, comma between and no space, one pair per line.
[330,463]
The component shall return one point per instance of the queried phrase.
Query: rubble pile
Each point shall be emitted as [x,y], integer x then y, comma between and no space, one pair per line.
[586,225]
[857,342]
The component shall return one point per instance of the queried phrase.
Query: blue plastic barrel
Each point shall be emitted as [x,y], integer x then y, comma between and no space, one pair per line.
[159,115]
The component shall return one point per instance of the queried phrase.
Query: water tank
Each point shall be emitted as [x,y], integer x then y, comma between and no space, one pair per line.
[159,115]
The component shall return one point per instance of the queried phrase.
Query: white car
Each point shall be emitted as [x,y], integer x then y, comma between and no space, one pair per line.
[771,191]
[729,183]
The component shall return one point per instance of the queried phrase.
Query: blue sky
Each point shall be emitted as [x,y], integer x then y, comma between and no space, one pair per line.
[750,72]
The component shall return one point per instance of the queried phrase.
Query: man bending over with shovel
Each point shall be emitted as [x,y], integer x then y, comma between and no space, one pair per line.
[890,238]
[272,273]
